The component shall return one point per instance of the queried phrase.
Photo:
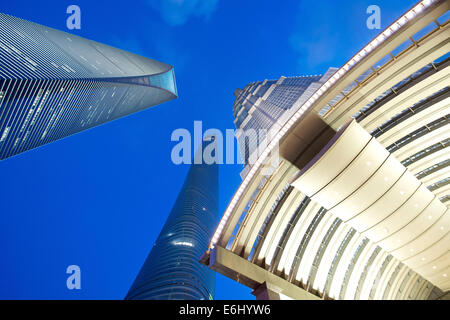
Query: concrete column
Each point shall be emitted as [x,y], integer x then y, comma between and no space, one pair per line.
[266,291]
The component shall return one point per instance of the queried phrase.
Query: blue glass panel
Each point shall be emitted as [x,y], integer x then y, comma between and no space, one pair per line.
[164,80]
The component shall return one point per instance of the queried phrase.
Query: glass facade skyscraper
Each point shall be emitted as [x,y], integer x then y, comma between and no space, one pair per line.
[261,105]
[172,270]
[54,84]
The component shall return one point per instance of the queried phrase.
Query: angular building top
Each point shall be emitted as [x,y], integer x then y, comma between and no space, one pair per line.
[54,84]
[264,104]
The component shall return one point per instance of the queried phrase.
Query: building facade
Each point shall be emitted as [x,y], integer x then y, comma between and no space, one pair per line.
[54,84]
[357,206]
[262,106]
[172,270]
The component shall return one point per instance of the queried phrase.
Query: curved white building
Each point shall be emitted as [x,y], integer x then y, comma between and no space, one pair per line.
[356,205]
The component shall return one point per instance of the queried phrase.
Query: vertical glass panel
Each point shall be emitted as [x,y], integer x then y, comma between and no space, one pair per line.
[164,80]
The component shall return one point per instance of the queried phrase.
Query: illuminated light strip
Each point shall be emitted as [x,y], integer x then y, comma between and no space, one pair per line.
[388,32]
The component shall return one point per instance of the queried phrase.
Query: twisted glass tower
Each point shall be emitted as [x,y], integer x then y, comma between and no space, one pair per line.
[172,270]
[54,84]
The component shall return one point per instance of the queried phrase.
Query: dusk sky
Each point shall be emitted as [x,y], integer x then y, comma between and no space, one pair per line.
[98,199]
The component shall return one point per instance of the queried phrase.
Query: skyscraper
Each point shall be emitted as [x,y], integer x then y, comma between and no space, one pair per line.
[172,270]
[54,84]
[357,207]
[263,105]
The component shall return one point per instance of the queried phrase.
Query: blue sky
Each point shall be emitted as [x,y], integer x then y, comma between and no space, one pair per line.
[99,199]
